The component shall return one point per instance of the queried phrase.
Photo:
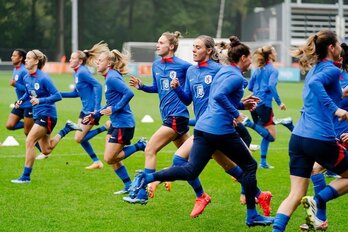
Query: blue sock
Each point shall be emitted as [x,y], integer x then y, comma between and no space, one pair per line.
[149,175]
[93,133]
[27,172]
[123,175]
[19,125]
[263,150]
[262,131]
[325,195]
[251,213]
[195,184]
[37,145]
[64,131]
[88,148]
[280,222]
[236,172]
[318,182]
[129,150]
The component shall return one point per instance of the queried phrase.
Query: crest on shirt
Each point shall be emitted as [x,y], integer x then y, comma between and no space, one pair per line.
[16,77]
[172,74]
[36,86]
[199,91]
[208,79]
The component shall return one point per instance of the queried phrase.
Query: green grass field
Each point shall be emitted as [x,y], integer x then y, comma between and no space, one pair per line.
[63,196]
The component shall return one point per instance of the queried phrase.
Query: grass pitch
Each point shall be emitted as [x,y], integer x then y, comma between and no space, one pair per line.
[63,196]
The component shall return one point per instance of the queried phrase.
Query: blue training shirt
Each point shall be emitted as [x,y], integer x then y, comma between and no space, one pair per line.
[225,96]
[163,71]
[87,88]
[321,96]
[40,85]
[18,74]
[197,87]
[263,84]
[118,96]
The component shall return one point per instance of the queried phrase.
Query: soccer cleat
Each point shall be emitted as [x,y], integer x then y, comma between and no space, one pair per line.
[259,220]
[265,166]
[151,189]
[167,186]
[125,190]
[41,156]
[95,165]
[322,227]
[141,144]
[200,204]
[310,206]
[283,121]
[21,180]
[72,125]
[254,147]
[264,201]
[137,184]
[141,198]
[330,174]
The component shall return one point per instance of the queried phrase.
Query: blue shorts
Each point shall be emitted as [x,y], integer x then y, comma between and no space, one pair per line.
[83,115]
[263,115]
[23,112]
[47,122]
[178,124]
[121,135]
[304,152]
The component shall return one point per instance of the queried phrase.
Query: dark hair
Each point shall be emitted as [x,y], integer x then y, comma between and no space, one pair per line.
[22,53]
[344,55]
[237,49]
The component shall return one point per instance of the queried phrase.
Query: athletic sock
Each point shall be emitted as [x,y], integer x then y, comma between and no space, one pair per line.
[196,183]
[37,145]
[66,129]
[88,148]
[263,151]
[129,150]
[325,195]
[19,125]
[260,130]
[318,182]
[93,133]
[123,175]
[280,222]
[27,172]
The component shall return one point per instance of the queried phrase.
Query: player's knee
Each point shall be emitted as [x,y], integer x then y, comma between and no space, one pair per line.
[10,126]
[78,139]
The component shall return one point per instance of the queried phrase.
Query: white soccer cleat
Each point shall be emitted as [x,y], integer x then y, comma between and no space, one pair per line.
[283,121]
[41,157]
[73,126]
[254,147]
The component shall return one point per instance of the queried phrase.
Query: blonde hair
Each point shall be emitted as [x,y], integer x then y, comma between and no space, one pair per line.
[263,55]
[89,56]
[119,60]
[222,50]
[173,38]
[315,49]
[42,58]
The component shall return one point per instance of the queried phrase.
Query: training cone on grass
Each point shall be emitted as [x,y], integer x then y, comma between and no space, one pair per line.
[10,141]
[147,119]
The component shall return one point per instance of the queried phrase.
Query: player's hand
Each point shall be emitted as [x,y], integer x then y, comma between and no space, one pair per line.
[344,137]
[13,83]
[107,111]
[174,83]
[282,106]
[34,101]
[341,114]
[135,82]
[18,103]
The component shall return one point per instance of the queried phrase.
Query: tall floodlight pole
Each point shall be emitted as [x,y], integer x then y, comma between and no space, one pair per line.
[221,19]
[74,37]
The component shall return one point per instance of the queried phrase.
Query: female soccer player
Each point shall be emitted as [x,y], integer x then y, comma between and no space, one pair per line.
[112,65]
[263,85]
[313,138]
[215,131]
[89,90]
[42,94]
[174,113]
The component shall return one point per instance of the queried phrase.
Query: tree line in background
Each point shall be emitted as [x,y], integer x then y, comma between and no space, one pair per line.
[47,24]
